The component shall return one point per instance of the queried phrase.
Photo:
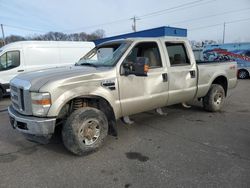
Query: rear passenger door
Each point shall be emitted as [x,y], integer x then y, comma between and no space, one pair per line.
[182,72]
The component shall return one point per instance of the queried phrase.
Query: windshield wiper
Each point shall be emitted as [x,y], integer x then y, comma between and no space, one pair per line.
[88,64]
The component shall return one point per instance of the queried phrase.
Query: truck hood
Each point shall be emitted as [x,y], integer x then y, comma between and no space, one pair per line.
[39,78]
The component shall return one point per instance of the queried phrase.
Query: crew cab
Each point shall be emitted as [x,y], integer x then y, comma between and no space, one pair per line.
[114,80]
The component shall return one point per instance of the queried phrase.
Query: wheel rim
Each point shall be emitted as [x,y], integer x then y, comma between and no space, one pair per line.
[242,74]
[89,132]
[218,98]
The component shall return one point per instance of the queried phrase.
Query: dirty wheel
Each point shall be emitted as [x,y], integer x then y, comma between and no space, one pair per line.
[243,74]
[214,99]
[85,130]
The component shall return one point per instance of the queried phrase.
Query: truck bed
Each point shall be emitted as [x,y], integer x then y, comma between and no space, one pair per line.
[208,71]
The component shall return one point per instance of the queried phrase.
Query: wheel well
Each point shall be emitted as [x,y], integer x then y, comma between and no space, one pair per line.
[90,101]
[221,80]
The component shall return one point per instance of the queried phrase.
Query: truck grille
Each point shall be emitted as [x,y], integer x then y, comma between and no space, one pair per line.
[17,98]
[20,99]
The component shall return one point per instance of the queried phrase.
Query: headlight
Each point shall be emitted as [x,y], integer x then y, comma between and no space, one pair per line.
[41,103]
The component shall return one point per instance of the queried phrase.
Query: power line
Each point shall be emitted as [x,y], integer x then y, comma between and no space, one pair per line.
[96,25]
[25,28]
[17,13]
[213,15]
[141,17]
[219,24]
[160,12]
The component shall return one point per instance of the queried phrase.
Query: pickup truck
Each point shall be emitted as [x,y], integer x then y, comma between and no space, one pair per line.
[114,80]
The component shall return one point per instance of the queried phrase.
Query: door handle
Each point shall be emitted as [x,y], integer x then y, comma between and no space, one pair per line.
[20,70]
[165,77]
[192,73]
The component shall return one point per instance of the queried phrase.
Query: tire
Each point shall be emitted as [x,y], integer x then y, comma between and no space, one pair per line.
[243,74]
[85,130]
[214,99]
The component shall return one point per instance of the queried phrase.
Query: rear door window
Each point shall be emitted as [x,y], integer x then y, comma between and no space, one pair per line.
[177,54]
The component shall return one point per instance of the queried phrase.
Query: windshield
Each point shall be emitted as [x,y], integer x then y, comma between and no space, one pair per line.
[104,55]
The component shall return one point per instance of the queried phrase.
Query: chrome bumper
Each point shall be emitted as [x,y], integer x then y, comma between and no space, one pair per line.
[31,125]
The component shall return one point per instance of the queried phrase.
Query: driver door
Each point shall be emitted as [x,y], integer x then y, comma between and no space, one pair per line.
[143,93]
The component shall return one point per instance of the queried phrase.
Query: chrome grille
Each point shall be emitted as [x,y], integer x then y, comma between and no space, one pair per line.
[15,97]
[20,96]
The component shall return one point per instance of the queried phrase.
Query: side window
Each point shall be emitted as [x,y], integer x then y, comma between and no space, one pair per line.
[177,54]
[149,50]
[9,60]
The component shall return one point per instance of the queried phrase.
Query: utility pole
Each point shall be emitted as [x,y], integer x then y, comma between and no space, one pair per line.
[3,34]
[134,23]
[224,30]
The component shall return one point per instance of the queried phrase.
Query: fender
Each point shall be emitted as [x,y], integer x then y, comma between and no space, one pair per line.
[80,91]
[204,88]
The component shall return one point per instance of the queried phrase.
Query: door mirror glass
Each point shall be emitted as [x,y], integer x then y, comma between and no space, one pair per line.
[138,68]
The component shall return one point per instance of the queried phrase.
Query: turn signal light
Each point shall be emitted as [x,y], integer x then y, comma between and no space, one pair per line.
[146,68]
[42,102]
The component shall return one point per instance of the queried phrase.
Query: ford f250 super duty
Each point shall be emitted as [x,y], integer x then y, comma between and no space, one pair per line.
[114,80]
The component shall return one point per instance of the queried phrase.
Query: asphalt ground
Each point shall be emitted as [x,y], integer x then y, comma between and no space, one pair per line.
[185,148]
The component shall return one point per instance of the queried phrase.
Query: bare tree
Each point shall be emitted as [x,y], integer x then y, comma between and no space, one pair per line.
[59,36]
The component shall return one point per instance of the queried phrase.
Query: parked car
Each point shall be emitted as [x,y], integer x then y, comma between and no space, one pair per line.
[26,56]
[239,52]
[132,76]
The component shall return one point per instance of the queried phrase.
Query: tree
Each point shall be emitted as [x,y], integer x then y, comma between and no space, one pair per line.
[59,36]
[14,38]
[100,33]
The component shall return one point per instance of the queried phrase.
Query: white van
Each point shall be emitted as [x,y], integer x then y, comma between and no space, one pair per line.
[19,57]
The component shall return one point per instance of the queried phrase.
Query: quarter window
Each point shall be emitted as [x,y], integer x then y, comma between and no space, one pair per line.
[177,54]
[9,60]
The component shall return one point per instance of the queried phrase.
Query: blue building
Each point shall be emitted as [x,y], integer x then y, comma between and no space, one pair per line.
[155,32]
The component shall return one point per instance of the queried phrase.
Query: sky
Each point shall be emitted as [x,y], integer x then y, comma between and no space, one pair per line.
[204,19]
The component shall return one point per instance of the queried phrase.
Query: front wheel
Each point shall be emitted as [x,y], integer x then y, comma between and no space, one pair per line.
[85,130]
[214,99]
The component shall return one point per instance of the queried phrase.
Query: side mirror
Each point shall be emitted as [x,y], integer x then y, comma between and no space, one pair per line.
[138,68]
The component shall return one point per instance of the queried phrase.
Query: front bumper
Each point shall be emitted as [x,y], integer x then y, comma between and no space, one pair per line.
[42,127]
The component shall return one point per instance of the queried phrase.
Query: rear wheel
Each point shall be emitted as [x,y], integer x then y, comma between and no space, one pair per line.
[85,130]
[243,74]
[214,99]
